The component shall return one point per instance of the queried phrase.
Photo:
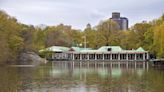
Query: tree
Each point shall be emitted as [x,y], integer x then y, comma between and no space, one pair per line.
[11,42]
[90,35]
[149,40]
[105,31]
[127,39]
[159,40]
[58,35]
[140,29]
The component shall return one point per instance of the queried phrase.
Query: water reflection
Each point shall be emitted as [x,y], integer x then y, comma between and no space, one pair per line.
[9,80]
[63,77]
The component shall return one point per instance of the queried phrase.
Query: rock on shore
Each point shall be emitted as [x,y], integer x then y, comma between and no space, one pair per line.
[31,58]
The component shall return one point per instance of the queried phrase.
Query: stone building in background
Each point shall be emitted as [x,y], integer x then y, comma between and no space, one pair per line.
[121,21]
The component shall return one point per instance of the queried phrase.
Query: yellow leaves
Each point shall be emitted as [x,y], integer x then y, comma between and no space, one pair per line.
[15,42]
[159,39]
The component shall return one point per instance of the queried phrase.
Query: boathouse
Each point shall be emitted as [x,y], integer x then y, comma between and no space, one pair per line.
[104,53]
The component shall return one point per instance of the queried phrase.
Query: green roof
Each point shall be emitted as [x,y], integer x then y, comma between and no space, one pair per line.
[140,49]
[103,49]
[113,48]
[78,49]
[56,49]
[89,51]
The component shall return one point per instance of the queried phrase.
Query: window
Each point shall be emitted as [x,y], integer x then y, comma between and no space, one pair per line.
[109,49]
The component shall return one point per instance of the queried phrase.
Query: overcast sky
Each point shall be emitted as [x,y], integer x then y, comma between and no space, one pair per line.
[80,12]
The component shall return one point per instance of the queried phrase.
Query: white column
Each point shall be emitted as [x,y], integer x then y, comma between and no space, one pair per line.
[127,56]
[135,56]
[111,56]
[147,55]
[95,56]
[143,56]
[88,56]
[118,56]
[103,55]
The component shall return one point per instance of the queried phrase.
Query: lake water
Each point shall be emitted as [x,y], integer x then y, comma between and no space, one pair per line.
[64,77]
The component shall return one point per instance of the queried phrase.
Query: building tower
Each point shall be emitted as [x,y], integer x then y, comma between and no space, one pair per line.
[121,21]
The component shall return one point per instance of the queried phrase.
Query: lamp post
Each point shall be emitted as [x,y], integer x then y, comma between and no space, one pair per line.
[85,41]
